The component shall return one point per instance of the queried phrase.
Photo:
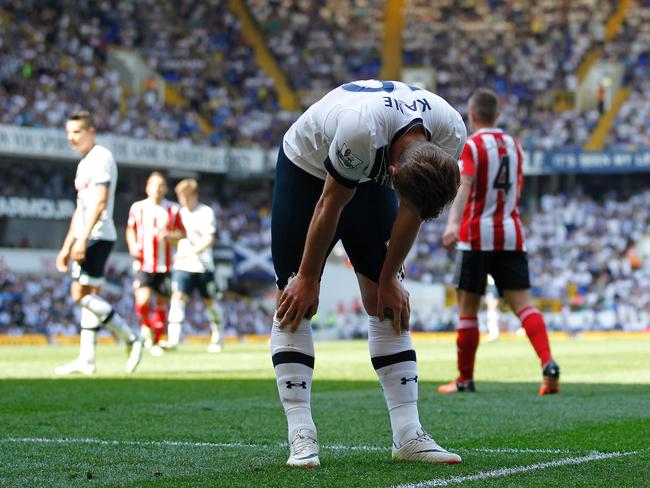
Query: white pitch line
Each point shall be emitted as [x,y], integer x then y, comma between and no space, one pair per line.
[233,445]
[499,473]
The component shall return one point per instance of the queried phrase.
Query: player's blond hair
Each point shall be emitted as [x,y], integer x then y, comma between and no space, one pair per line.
[188,185]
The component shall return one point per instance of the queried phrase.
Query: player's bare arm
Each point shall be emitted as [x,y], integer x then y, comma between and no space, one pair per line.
[391,294]
[78,251]
[63,256]
[300,296]
[201,245]
[132,243]
[450,236]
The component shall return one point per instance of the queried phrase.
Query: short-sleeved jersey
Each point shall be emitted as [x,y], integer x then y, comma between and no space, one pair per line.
[96,168]
[349,132]
[149,220]
[199,223]
[491,217]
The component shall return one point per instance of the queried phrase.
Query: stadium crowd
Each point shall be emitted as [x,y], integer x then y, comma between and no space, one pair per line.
[587,256]
[55,54]
[631,129]
[524,51]
[320,45]
[52,52]
[41,305]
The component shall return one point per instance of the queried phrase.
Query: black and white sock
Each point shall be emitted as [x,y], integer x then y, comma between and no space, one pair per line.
[90,325]
[293,360]
[394,361]
[105,313]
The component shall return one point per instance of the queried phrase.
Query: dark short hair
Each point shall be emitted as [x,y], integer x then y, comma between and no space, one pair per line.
[84,116]
[428,177]
[484,104]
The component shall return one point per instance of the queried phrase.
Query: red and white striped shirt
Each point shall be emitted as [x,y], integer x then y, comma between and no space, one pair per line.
[491,218]
[149,220]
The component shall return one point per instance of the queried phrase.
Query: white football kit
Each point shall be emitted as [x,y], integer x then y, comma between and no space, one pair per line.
[199,223]
[97,168]
[348,133]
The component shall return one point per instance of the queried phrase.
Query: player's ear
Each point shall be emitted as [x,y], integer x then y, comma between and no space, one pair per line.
[392,169]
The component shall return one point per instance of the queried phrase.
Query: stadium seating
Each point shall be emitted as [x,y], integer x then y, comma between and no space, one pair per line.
[320,45]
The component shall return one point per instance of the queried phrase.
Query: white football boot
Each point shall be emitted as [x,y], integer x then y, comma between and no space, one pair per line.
[76,366]
[303,450]
[424,449]
[135,355]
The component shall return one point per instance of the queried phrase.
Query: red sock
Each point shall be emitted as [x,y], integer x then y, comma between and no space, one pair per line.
[467,343]
[535,327]
[158,321]
[143,313]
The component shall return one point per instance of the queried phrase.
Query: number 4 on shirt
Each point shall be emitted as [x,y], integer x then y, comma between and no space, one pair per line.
[502,179]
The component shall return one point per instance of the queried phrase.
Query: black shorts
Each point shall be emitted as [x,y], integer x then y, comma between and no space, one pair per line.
[91,271]
[508,268]
[186,282]
[364,226]
[159,282]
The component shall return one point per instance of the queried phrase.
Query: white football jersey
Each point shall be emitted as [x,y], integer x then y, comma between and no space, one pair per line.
[96,168]
[198,223]
[349,132]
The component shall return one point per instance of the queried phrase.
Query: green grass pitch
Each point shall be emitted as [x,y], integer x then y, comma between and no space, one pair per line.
[194,419]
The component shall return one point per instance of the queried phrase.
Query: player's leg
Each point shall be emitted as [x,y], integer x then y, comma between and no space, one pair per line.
[470,279]
[91,273]
[365,226]
[208,291]
[533,323]
[513,279]
[181,291]
[90,325]
[142,293]
[161,285]
[294,198]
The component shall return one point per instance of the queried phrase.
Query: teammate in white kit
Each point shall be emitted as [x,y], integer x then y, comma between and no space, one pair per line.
[490,241]
[194,266]
[334,180]
[88,243]
[154,227]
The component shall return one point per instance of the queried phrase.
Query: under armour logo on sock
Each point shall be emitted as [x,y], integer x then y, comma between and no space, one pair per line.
[302,384]
[406,380]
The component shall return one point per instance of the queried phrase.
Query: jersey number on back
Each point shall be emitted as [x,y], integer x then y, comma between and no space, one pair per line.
[502,179]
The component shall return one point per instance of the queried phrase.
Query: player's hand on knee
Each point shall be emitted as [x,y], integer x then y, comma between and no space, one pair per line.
[393,303]
[299,300]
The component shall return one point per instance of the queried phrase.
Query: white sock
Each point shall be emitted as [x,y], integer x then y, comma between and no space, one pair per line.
[214,315]
[113,321]
[88,335]
[394,361]
[175,321]
[293,360]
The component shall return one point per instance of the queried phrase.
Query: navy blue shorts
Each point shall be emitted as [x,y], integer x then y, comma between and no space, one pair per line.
[187,282]
[364,227]
[90,271]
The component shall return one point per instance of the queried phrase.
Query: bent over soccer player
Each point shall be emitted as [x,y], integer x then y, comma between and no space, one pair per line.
[490,240]
[334,180]
[88,243]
